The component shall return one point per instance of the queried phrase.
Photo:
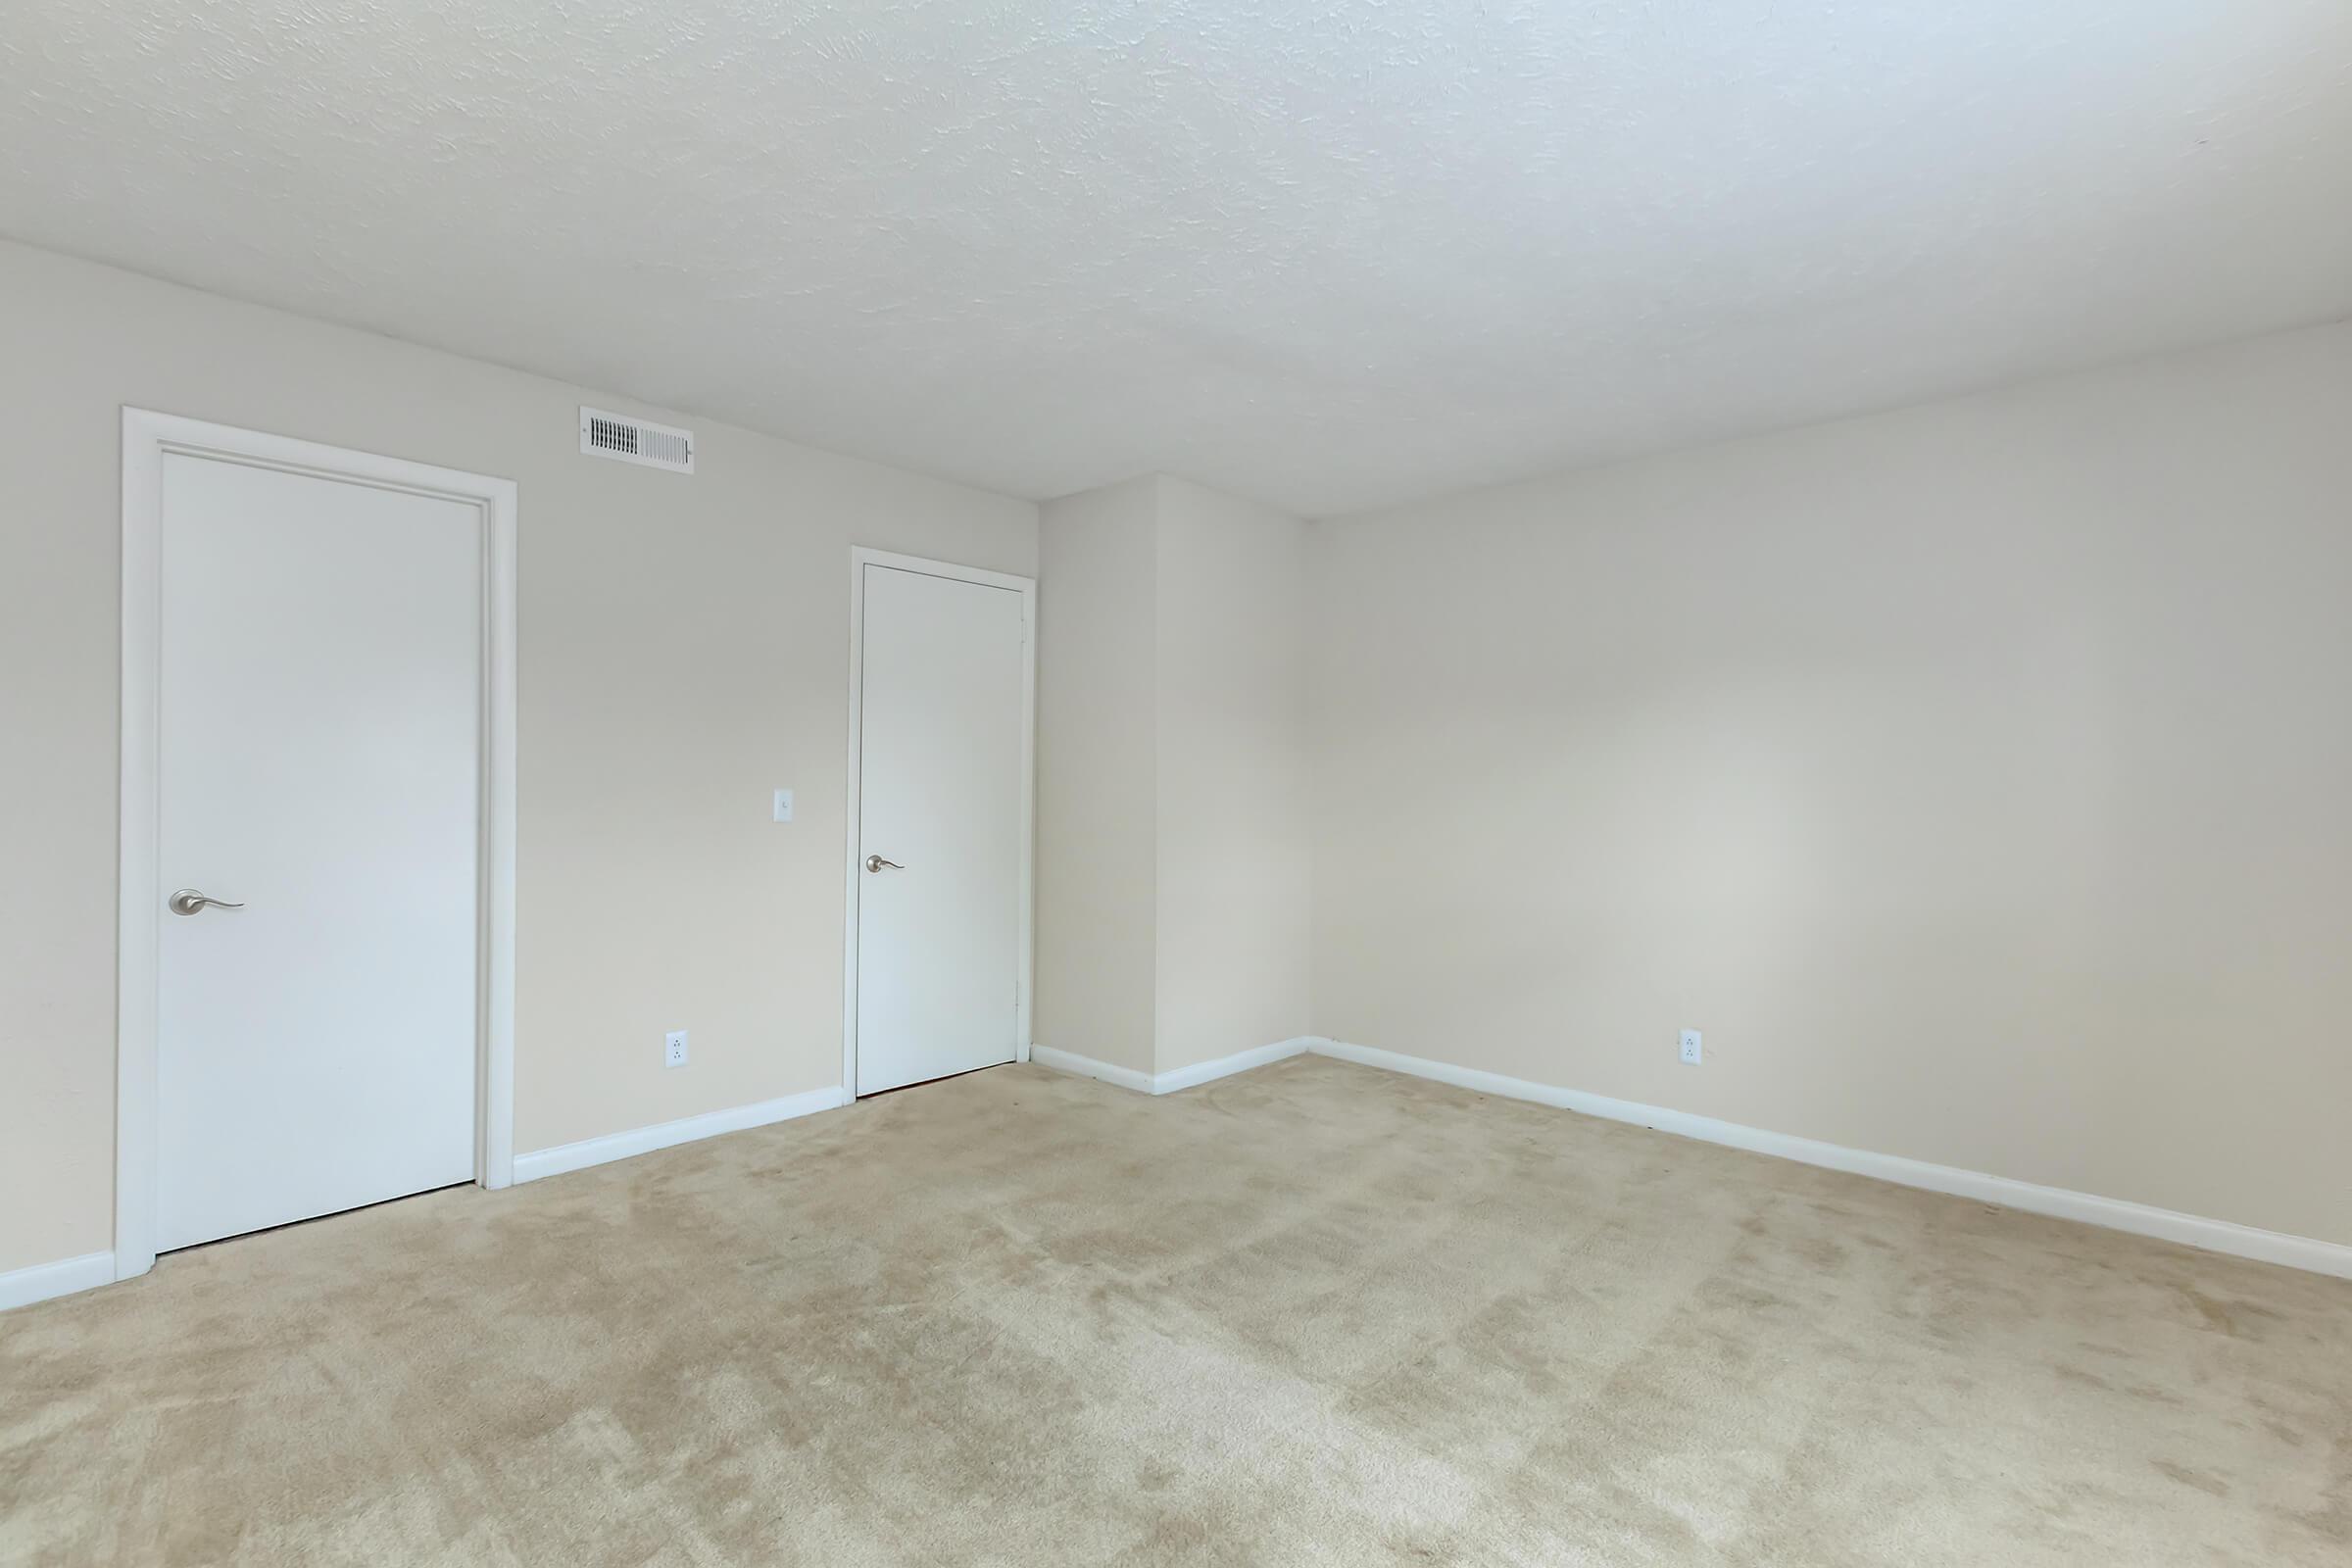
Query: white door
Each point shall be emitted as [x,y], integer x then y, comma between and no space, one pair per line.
[320,755]
[942,809]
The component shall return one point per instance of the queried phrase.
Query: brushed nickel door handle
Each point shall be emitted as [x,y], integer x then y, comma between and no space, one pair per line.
[875,863]
[187,901]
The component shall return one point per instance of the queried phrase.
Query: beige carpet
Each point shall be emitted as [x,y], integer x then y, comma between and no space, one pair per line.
[1313,1314]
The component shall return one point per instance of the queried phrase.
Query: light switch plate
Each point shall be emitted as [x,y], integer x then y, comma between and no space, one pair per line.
[783,806]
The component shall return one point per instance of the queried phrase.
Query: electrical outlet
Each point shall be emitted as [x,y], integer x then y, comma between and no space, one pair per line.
[673,1049]
[1690,1047]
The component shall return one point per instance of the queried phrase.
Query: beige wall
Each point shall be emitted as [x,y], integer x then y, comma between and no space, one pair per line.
[1097,754]
[1978,777]
[1233,850]
[684,651]
[1172,851]
[1974,775]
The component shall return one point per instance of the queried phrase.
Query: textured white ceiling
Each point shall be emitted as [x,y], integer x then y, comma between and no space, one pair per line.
[1329,256]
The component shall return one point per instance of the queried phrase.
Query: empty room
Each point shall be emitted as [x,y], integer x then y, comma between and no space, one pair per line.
[1193,784]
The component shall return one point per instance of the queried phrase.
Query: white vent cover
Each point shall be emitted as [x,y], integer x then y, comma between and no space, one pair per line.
[616,435]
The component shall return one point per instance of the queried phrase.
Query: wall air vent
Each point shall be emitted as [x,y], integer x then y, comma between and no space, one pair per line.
[656,446]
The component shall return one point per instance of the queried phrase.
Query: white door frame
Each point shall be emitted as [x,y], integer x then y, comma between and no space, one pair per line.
[146,438]
[861,558]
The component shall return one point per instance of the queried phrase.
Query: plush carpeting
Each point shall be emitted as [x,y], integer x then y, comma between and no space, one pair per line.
[1312,1315]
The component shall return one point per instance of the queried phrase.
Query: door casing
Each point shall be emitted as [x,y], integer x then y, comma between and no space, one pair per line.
[859,559]
[147,436]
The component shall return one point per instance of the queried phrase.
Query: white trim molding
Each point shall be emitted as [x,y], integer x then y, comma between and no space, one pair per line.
[1168,1083]
[43,1281]
[147,437]
[1025,976]
[1200,1073]
[670,1134]
[1078,1066]
[2141,1220]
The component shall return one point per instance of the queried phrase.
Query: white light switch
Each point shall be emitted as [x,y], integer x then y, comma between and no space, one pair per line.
[783,806]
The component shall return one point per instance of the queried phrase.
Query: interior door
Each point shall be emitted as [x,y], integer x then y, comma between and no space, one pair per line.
[320,745]
[942,802]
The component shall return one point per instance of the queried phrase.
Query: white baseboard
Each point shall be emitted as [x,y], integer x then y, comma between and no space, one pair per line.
[670,1134]
[1168,1083]
[2141,1219]
[1070,1061]
[43,1281]
[24,1286]
[1200,1073]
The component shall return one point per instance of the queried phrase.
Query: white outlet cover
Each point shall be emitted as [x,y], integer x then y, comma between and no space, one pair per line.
[673,1049]
[1691,1046]
[783,806]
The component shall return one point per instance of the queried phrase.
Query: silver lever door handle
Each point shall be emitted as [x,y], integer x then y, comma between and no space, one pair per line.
[875,863]
[187,901]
